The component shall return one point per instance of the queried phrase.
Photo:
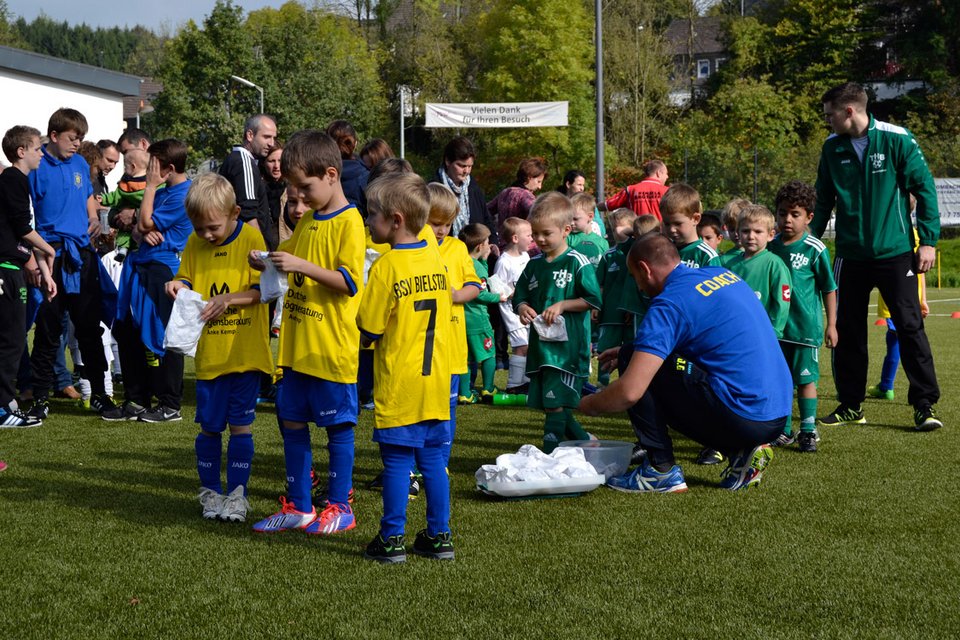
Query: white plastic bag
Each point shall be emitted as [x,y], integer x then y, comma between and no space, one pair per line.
[556,332]
[497,285]
[273,282]
[184,328]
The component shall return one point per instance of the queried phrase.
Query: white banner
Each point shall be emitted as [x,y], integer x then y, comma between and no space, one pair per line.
[948,201]
[497,114]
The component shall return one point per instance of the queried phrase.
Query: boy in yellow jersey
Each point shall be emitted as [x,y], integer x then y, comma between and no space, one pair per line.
[406,309]
[464,285]
[234,348]
[319,339]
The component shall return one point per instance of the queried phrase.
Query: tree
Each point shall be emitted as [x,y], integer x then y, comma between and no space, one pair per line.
[535,51]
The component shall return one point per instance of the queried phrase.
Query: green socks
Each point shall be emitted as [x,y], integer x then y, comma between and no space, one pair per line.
[554,430]
[574,430]
[808,413]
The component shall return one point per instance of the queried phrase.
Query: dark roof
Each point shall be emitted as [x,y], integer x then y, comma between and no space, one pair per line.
[707,36]
[132,105]
[84,75]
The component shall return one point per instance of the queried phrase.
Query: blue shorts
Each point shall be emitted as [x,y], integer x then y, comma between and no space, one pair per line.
[230,399]
[304,398]
[429,433]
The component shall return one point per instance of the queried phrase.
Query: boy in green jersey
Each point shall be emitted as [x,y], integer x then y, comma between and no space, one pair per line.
[762,270]
[559,283]
[480,349]
[582,238]
[681,210]
[809,263]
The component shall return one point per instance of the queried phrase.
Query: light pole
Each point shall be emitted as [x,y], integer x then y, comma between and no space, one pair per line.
[599,88]
[247,83]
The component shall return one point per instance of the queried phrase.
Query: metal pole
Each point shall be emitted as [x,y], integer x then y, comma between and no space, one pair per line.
[260,89]
[403,108]
[599,87]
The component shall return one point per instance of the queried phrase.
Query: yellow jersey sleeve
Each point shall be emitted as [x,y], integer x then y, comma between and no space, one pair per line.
[459,271]
[406,309]
[239,340]
[319,335]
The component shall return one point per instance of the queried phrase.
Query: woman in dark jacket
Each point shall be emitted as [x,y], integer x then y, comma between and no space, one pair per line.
[454,173]
[354,175]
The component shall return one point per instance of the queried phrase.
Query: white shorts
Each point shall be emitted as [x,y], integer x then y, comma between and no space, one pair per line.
[520,337]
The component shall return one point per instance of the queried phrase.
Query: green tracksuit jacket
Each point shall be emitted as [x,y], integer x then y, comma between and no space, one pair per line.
[870,197]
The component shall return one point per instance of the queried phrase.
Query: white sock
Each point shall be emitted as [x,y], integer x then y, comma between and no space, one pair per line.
[516,374]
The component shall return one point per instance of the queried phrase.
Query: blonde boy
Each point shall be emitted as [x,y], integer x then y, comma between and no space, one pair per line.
[766,273]
[319,339]
[731,216]
[411,325]
[681,211]
[464,287]
[517,234]
[620,223]
[558,284]
[581,231]
[234,347]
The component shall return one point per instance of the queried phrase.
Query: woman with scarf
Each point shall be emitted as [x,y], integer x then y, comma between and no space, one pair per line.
[458,159]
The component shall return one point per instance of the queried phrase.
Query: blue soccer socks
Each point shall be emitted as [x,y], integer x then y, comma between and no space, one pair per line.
[298,458]
[239,458]
[208,449]
[340,442]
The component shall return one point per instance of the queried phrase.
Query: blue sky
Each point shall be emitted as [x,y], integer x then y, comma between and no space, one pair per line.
[156,14]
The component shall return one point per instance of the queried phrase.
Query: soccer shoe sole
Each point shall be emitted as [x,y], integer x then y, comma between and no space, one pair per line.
[434,555]
[840,423]
[931,424]
[384,559]
[677,488]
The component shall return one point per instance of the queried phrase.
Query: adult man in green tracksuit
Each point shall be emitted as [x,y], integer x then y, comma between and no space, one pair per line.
[867,171]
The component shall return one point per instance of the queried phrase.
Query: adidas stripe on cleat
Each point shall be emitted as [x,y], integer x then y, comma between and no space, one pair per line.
[286,519]
[14,419]
[336,518]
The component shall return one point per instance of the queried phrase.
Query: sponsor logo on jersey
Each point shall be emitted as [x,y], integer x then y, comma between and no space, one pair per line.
[533,284]
[562,278]
[487,344]
[798,260]
[298,279]
[220,254]
[551,396]
[785,292]
[805,372]
[219,291]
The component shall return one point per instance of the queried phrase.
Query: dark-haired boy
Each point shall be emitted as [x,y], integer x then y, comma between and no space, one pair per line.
[319,338]
[21,146]
[66,214]
[809,263]
[143,308]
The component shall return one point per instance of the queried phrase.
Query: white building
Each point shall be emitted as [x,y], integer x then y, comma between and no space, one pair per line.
[33,86]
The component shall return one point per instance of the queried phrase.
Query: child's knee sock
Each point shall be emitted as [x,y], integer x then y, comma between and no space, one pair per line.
[808,413]
[890,362]
[574,429]
[298,459]
[488,369]
[437,487]
[554,430]
[239,457]
[397,461]
[208,448]
[516,374]
[340,446]
[465,384]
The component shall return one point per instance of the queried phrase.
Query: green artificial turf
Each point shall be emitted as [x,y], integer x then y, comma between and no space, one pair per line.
[101,537]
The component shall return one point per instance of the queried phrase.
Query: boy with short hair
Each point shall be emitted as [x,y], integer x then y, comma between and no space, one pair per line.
[766,274]
[479,330]
[581,233]
[559,283]
[681,211]
[620,224]
[21,146]
[710,230]
[412,328]
[518,236]
[464,286]
[234,347]
[143,309]
[319,339]
[812,282]
[731,216]
[66,215]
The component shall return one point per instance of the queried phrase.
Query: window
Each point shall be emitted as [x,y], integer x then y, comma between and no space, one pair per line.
[719,62]
[703,68]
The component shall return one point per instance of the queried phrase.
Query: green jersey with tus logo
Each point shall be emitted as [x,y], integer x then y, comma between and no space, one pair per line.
[698,254]
[544,283]
[770,280]
[809,263]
